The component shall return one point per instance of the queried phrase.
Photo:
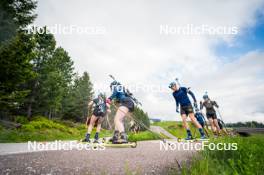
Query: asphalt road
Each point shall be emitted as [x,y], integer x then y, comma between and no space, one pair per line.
[147,158]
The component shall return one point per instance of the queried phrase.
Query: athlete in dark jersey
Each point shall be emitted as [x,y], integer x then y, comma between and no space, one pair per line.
[100,110]
[211,113]
[180,95]
[126,105]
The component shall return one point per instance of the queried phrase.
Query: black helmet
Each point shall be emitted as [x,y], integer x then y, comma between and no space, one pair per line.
[205,96]
[172,84]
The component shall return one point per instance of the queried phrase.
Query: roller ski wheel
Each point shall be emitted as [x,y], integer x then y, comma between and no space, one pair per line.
[121,145]
[202,139]
[186,140]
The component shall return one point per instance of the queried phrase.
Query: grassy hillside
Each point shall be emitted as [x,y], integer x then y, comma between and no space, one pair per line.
[42,129]
[176,128]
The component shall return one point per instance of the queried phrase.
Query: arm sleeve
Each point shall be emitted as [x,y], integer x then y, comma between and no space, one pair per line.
[216,105]
[177,103]
[192,94]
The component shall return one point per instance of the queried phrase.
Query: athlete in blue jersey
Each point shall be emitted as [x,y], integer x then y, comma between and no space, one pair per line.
[200,118]
[180,95]
[126,105]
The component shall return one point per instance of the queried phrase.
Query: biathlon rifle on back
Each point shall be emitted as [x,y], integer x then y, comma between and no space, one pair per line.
[128,93]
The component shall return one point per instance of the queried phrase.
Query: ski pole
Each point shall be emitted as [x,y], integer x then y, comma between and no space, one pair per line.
[222,119]
[111,76]
[206,129]
[177,81]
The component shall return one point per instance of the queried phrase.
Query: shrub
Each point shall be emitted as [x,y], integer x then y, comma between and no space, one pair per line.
[81,127]
[41,123]
[21,119]
[28,128]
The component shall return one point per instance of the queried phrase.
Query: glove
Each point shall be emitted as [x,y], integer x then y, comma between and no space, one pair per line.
[108,101]
[177,110]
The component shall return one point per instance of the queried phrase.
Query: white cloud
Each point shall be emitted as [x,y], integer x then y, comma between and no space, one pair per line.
[134,51]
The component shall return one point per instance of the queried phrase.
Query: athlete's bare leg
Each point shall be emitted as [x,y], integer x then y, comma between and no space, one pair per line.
[184,121]
[99,124]
[216,126]
[119,118]
[212,125]
[91,124]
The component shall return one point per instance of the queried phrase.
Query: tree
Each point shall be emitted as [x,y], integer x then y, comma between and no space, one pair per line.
[16,52]
[43,51]
[75,105]
[15,71]
[36,77]
[15,15]
[58,77]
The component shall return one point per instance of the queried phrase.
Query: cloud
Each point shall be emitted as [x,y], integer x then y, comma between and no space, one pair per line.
[133,49]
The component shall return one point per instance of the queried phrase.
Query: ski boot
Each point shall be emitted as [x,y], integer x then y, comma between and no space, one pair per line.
[123,138]
[203,137]
[96,138]
[189,137]
[87,138]
[114,139]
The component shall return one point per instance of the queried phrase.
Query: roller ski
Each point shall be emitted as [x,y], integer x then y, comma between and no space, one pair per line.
[121,145]
[202,139]
[119,140]
[189,138]
[108,142]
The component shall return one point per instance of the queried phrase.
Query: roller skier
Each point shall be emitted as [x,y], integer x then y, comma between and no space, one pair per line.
[126,105]
[211,113]
[183,102]
[100,110]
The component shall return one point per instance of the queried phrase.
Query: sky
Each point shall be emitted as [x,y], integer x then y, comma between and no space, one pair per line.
[128,40]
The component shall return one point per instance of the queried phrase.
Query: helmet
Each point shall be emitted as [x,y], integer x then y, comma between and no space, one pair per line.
[114,83]
[172,84]
[205,96]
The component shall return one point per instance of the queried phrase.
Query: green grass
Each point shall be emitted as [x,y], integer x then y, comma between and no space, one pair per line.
[42,129]
[144,135]
[247,160]
[176,128]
